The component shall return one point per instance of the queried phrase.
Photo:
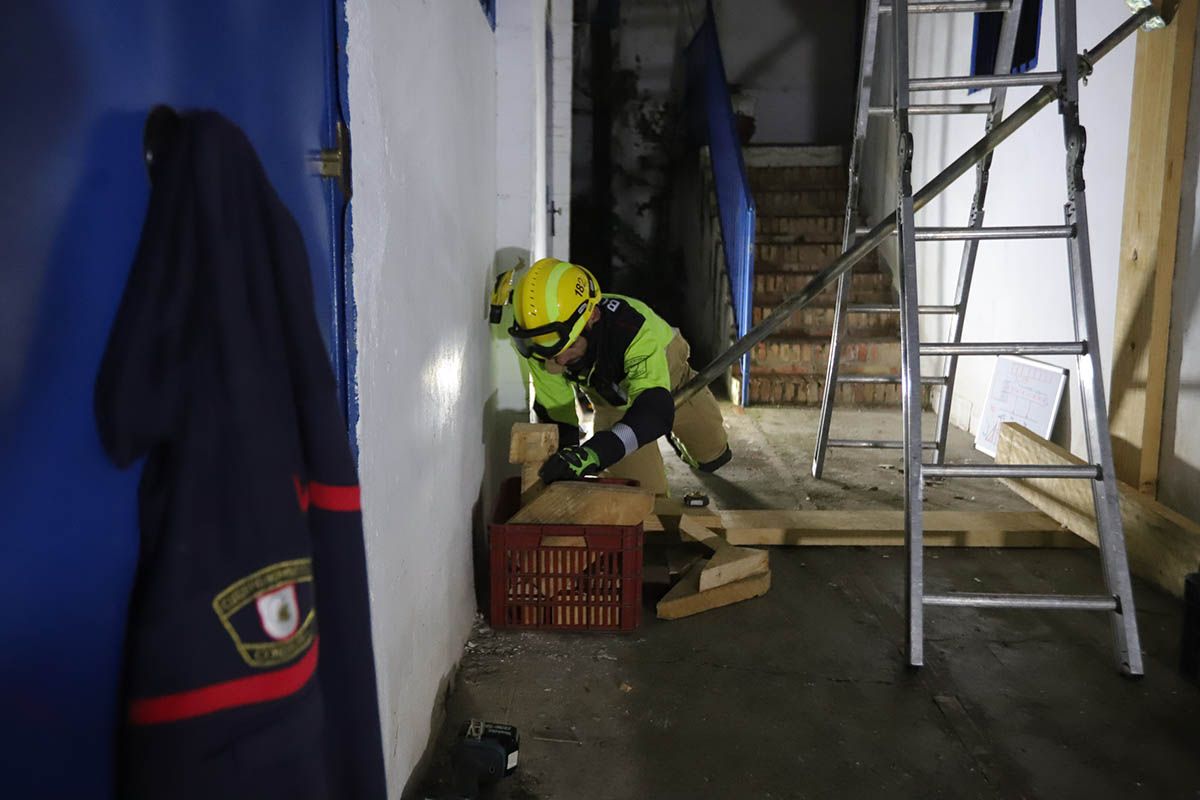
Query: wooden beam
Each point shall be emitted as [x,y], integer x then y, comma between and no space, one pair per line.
[1162,78]
[686,599]
[886,528]
[585,503]
[1163,546]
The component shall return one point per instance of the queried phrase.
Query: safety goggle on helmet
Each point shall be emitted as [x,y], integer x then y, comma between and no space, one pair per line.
[552,303]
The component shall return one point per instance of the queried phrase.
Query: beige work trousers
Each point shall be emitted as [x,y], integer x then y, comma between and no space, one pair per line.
[698,426]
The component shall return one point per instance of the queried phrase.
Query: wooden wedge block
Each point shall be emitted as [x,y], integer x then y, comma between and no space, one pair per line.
[693,528]
[585,503]
[532,442]
[729,564]
[1163,545]
[529,445]
[668,511]
[686,599]
[886,527]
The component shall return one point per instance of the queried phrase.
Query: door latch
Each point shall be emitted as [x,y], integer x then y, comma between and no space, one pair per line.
[334,162]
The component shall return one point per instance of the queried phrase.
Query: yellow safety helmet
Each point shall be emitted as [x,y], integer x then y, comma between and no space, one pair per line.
[552,304]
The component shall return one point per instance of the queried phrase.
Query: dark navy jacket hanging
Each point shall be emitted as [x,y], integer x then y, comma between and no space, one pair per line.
[249,668]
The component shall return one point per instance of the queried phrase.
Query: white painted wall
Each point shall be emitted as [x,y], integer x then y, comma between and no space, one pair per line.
[1021,288]
[423,114]
[451,158]
[794,62]
[1179,467]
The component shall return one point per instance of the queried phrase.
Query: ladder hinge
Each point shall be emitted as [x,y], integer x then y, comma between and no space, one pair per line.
[1076,147]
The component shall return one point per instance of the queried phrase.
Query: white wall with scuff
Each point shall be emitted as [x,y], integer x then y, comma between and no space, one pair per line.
[1179,465]
[423,114]
[1021,290]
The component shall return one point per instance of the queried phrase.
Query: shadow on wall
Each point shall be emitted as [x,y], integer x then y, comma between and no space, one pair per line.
[804,51]
[506,405]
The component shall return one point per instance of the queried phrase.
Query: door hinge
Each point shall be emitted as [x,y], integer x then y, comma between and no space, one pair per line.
[334,162]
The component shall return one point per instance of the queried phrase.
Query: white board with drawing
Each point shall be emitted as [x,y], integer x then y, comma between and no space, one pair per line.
[1023,391]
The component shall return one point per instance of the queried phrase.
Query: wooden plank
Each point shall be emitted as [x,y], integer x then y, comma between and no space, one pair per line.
[668,511]
[1162,77]
[886,528]
[686,599]
[1163,546]
[585,503]
[691,527]
[730,564]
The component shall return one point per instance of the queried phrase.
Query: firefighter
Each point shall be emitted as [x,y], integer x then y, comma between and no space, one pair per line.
[626,360]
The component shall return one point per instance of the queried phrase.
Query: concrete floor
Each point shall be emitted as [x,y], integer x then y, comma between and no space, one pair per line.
[803,693]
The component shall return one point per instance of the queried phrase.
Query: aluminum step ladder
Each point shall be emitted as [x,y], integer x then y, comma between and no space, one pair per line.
[1061,86]
[972,234]
[1118,599]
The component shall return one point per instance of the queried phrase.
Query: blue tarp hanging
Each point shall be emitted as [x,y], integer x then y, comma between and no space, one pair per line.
[987,40]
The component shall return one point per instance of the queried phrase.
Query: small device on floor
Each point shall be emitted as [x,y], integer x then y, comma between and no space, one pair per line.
[484,753]
[695,500]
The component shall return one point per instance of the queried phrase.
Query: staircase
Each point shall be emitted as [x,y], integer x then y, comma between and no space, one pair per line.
[800,193]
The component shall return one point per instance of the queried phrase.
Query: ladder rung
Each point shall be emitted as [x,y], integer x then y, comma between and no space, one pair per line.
[1017,232]
[952,7]
[877,444]
[1004,349]
[929,380]
[886,309]
[984,81]
[931,109]
[1080,471]
[1057,602]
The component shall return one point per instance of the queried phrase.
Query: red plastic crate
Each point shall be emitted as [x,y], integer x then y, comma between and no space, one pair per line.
[563,577]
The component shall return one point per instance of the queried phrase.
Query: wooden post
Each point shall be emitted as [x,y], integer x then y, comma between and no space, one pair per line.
[1162,80]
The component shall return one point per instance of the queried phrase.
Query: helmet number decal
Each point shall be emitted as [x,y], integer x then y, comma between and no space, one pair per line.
[580,287]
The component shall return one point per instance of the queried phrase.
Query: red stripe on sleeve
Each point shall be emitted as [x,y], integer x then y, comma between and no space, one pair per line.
[334,498]
[228,694]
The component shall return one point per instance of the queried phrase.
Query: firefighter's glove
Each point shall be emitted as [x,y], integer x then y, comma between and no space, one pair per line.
[570,464]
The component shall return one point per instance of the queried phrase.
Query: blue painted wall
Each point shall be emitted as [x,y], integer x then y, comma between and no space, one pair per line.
[79,78]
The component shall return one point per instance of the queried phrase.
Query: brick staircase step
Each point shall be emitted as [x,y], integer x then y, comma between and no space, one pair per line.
[794,230]
[819,255]
[769,388]
[817,320]
[809,355]
[810,261]
[865,287]
[819,202]
[768,178]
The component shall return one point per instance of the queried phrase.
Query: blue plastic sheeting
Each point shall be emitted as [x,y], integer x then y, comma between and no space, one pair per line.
[986,40]
[82,77]
[709,102]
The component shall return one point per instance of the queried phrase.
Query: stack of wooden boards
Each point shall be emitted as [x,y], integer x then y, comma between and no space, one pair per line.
[1163,546]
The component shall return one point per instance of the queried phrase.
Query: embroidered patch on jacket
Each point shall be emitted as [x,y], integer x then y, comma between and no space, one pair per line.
[270,613]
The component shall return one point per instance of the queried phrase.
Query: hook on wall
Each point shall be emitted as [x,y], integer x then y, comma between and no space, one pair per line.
[161,125]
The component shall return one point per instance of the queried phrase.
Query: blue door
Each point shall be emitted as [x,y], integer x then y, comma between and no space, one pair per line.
[79,78]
